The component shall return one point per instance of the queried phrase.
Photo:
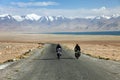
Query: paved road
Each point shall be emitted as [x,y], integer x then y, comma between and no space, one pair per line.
[44,65]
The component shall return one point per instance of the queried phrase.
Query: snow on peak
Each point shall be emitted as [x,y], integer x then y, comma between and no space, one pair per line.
[115,15]
[32,17]
[18,18]
[102,16]
[4,15]
[47,18]
[90,17]
[51,18]
[59,16]
[106,17]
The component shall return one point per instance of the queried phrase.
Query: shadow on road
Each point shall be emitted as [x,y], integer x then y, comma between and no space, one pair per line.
[54,58]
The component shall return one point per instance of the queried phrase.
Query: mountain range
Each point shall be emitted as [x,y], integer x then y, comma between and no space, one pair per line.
[36,23]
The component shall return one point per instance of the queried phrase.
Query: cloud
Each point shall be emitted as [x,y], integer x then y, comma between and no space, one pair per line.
[65,12]
[31,4]
[100,9]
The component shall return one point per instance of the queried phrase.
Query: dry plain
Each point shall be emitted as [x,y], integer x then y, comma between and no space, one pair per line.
[13,45]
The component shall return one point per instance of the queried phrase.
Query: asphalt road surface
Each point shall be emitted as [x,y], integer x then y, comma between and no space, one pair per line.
[44,65]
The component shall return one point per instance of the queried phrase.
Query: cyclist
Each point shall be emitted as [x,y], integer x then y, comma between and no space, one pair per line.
[59,50]
[77,50]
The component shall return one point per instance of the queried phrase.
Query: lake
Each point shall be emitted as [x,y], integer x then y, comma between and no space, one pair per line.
[117,33]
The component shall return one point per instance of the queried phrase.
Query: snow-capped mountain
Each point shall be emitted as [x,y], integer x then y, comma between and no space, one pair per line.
[102,17]
[35,22]
[32,17]
[18,18]
[6,16]
[115,15]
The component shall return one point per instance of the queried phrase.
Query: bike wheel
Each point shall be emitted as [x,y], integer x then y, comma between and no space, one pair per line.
[77,55]
[58,56]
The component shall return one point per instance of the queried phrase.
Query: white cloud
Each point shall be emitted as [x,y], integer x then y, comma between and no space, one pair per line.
[100,9]
[31,4]
[65,12]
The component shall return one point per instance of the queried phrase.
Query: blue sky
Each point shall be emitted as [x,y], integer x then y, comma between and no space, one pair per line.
[70,8]
[67,4]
